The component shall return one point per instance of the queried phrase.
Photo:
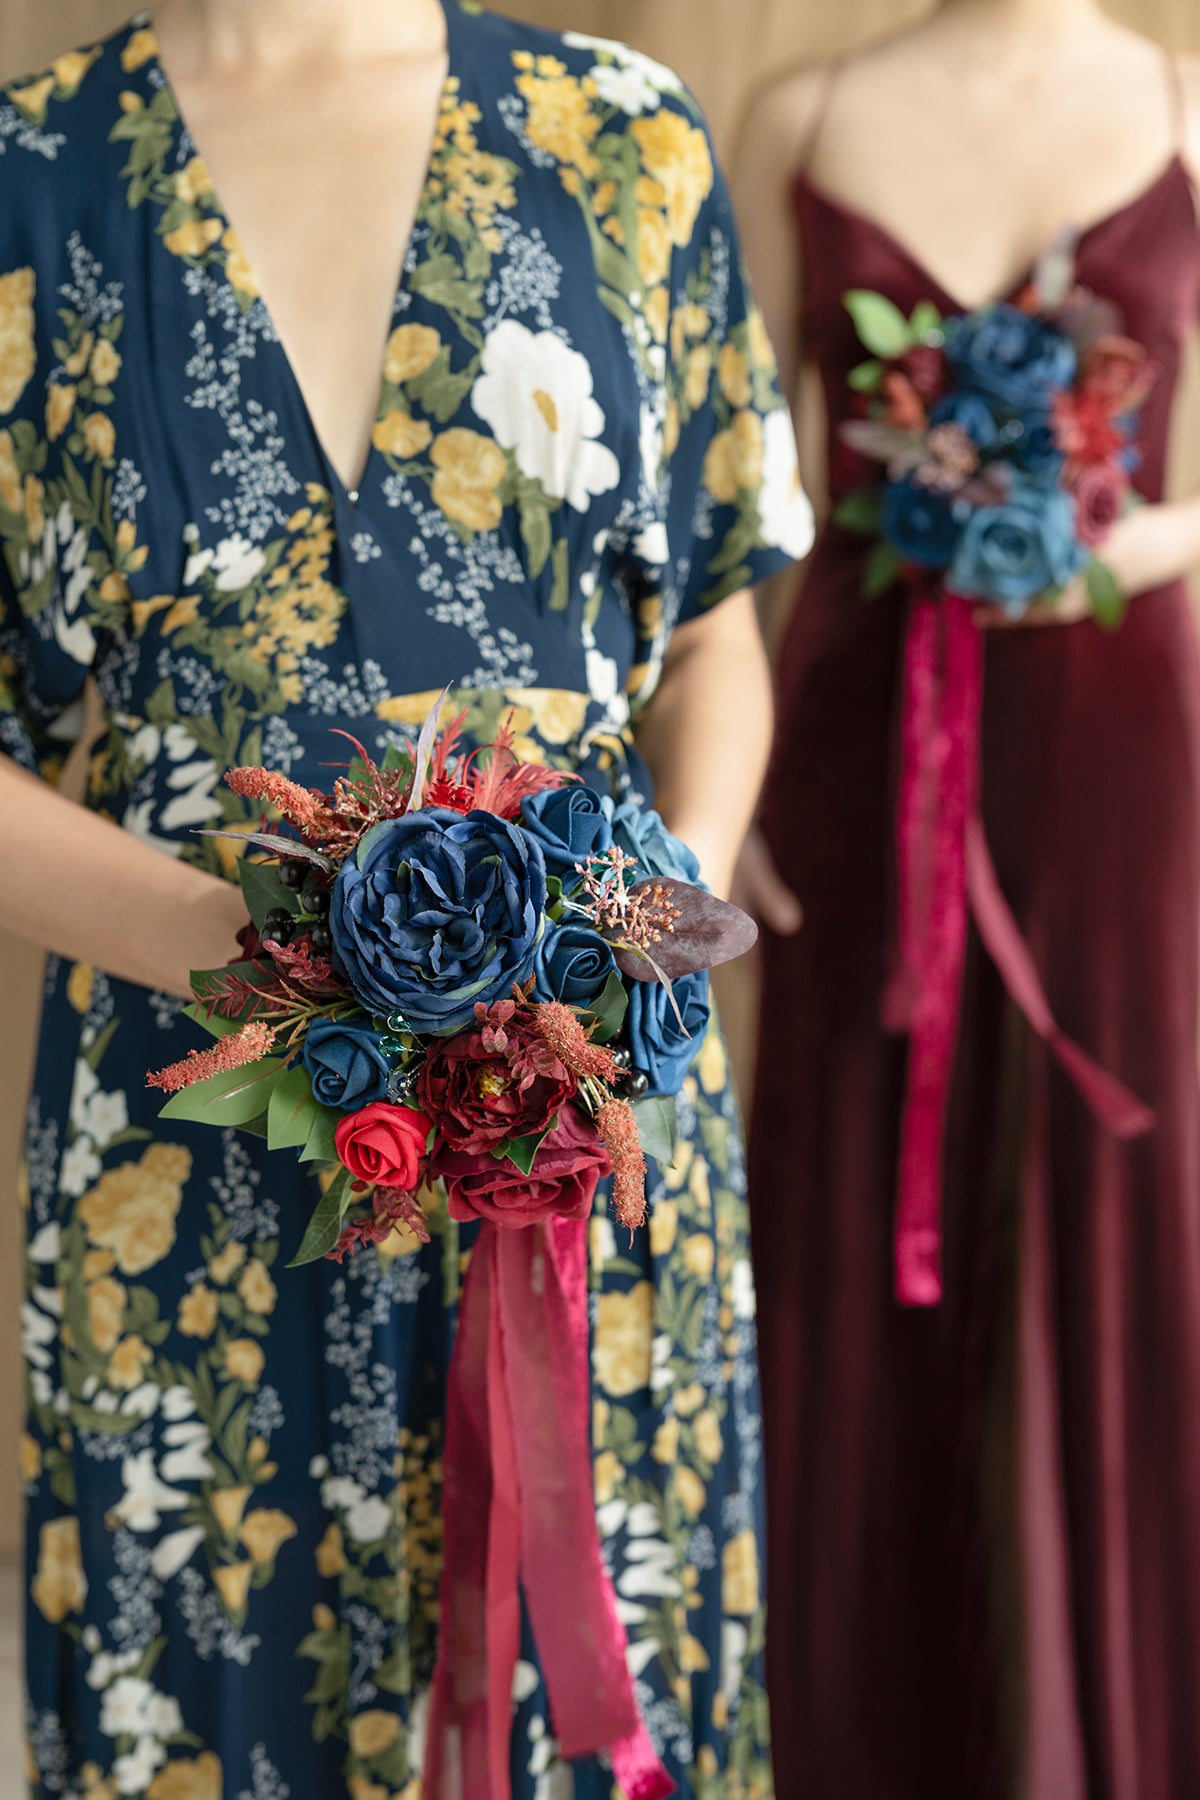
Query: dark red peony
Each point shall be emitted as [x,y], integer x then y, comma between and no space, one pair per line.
[1085,431]
[927,370]
[1101,496]
[561,1185]
[1117,375]
[384,1144]
[499,1080]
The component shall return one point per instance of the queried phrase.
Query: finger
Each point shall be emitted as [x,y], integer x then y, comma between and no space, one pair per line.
[778,908]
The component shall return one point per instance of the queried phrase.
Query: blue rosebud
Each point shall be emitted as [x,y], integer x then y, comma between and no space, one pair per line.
[572,964]
[346,1063]
[1010,357]
[640,832]
[656,1043]
[436,912]
[971,413]
[570,823]
[920,523]
[1013,553]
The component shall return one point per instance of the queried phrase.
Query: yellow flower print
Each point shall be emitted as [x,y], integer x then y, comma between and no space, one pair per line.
[561,119]
[193,182]
[664,1222]
[665,1447]
[99,436]
[688,1399]
[324,1618]
[698,1255]
[691,1491]
[609,1471]
[696,377]
[556,714]
[677,155]
[733,373]
[410,709]
[671,428]
[622,1349]
[106,366]
[17,355]
[80,357]
[698,1185]
[331,1554]
[709,1441]
[229,1506]
[712,1064]
[735,459]
[79,986]
[257,1290]
[97,1263]
[399,434]
[224,1266]
[180,612]
[410,351]
[360,1788]
[198,1312]
[477,187]
[233,1584]
[114,586]
[132,1209]
[244,1360]
[127,1365]
[237,266]
[141,47]
[69,70]
[60,1585]
[693,1657]
[200,1779]
[35,517]
[10,477]
[60,407]
[653,247]
[29,1453]
[740,1586]
[34,98]
[193,237]
[264,1530]
[106,1301]
[762,351]
[689,323]
[470,468]
[371,1733]
[657,313]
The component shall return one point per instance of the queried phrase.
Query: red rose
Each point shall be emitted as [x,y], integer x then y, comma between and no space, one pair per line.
[384,1144]
[498,1081]
[1084,428]
[1101,496]
[1117,375]
[561,1185]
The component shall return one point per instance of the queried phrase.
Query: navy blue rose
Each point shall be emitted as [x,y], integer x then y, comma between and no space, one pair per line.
[971,413]
[920,523]
[1010,357]
[652,1031]
[347,1065]
[1034,446]
[1012,554]
[572,964]
[640,832]
[436,912]
[570,823]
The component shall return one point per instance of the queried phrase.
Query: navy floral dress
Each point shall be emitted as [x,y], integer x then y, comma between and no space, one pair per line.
[232,1471]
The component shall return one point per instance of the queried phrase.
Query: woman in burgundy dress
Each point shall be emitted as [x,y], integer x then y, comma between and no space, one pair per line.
[985,1574]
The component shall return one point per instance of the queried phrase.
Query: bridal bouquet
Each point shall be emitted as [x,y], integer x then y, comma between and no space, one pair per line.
[461,967]
[1008,437]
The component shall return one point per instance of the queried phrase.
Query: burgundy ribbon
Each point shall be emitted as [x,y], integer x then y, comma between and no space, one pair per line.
[519,1516]
[946,876]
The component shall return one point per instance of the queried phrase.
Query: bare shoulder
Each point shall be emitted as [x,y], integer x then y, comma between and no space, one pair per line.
[778,116]
[1189,74]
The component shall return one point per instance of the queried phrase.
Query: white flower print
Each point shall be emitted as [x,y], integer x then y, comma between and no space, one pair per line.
[134,1772]
[535,393]
[146,1498]
[655,75]
[172,1552]
[785,515]
[37,1332]
[237,563]
[46,1245]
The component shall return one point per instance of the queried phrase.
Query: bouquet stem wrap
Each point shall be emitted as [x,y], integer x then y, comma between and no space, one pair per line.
[519,1518]
[946,877]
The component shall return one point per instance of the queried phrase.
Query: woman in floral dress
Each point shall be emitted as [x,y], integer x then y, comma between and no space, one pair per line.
[578,449]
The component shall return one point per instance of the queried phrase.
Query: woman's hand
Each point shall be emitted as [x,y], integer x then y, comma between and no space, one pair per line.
[1148,547]
[760,890]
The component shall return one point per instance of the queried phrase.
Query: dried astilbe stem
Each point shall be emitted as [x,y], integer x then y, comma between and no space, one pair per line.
[236,1051]
[618,1132]
[561,1029]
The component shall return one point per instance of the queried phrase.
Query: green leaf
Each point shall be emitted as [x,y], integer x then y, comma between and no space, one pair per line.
[861,512]
[610,1009]
[880,324]
[658,1128]
[1109,604]
[535,529]
[522,1151]
[325,1226]
[292,1110]
[883,565]
[232,1098]
[560,594]
[263,891]
[321,1145]
[865,379]
[926,320]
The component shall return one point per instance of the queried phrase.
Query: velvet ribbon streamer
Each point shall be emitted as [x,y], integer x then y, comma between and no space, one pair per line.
[519,1517]
[946,877]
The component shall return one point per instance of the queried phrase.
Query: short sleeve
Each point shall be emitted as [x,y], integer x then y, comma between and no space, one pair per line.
[735,510]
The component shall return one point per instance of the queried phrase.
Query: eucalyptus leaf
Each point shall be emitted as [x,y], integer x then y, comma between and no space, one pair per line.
[325,1226]
[279,846]
[926,321]
[1109,604]
[865,379]
[707,931]
[880,324]
[233,1097]
[658,1127]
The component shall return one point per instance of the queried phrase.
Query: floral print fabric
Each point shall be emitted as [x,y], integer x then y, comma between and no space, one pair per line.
[233,1470]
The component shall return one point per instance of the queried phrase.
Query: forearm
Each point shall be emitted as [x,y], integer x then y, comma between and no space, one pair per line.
[707,733]
[78,885]
[1154,545]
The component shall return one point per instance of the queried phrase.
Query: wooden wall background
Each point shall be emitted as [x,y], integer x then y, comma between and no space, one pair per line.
[722,47]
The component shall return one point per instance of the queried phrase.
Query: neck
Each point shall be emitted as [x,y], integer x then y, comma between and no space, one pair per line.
[216,34]
[1031,21]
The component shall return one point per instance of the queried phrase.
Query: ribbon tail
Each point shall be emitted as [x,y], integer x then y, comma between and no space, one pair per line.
[1111,1102]
[504,1547]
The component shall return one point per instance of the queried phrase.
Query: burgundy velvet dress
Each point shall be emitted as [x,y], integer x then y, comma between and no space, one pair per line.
[985,1563]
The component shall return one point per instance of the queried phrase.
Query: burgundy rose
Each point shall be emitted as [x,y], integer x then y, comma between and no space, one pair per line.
[561,1185]
[1117,375]
[384,1144]
[498,1081]
[1101,496]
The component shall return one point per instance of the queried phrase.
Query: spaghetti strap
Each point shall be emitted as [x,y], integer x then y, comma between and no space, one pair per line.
[1177,101]
[816,124]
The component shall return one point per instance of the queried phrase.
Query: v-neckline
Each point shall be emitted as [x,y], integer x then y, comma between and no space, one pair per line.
[347,493]
[855,214]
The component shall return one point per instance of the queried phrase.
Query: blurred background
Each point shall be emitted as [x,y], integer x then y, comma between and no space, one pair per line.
[723,48]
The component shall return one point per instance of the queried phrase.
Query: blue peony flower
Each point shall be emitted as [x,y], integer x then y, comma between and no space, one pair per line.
[656,1043]
[436,912]
[1010,357]
[640,832]
[971,413]
[572,964]
[570,823]
[1034,446]
[347,1065]
[1011,554]
[920,523]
